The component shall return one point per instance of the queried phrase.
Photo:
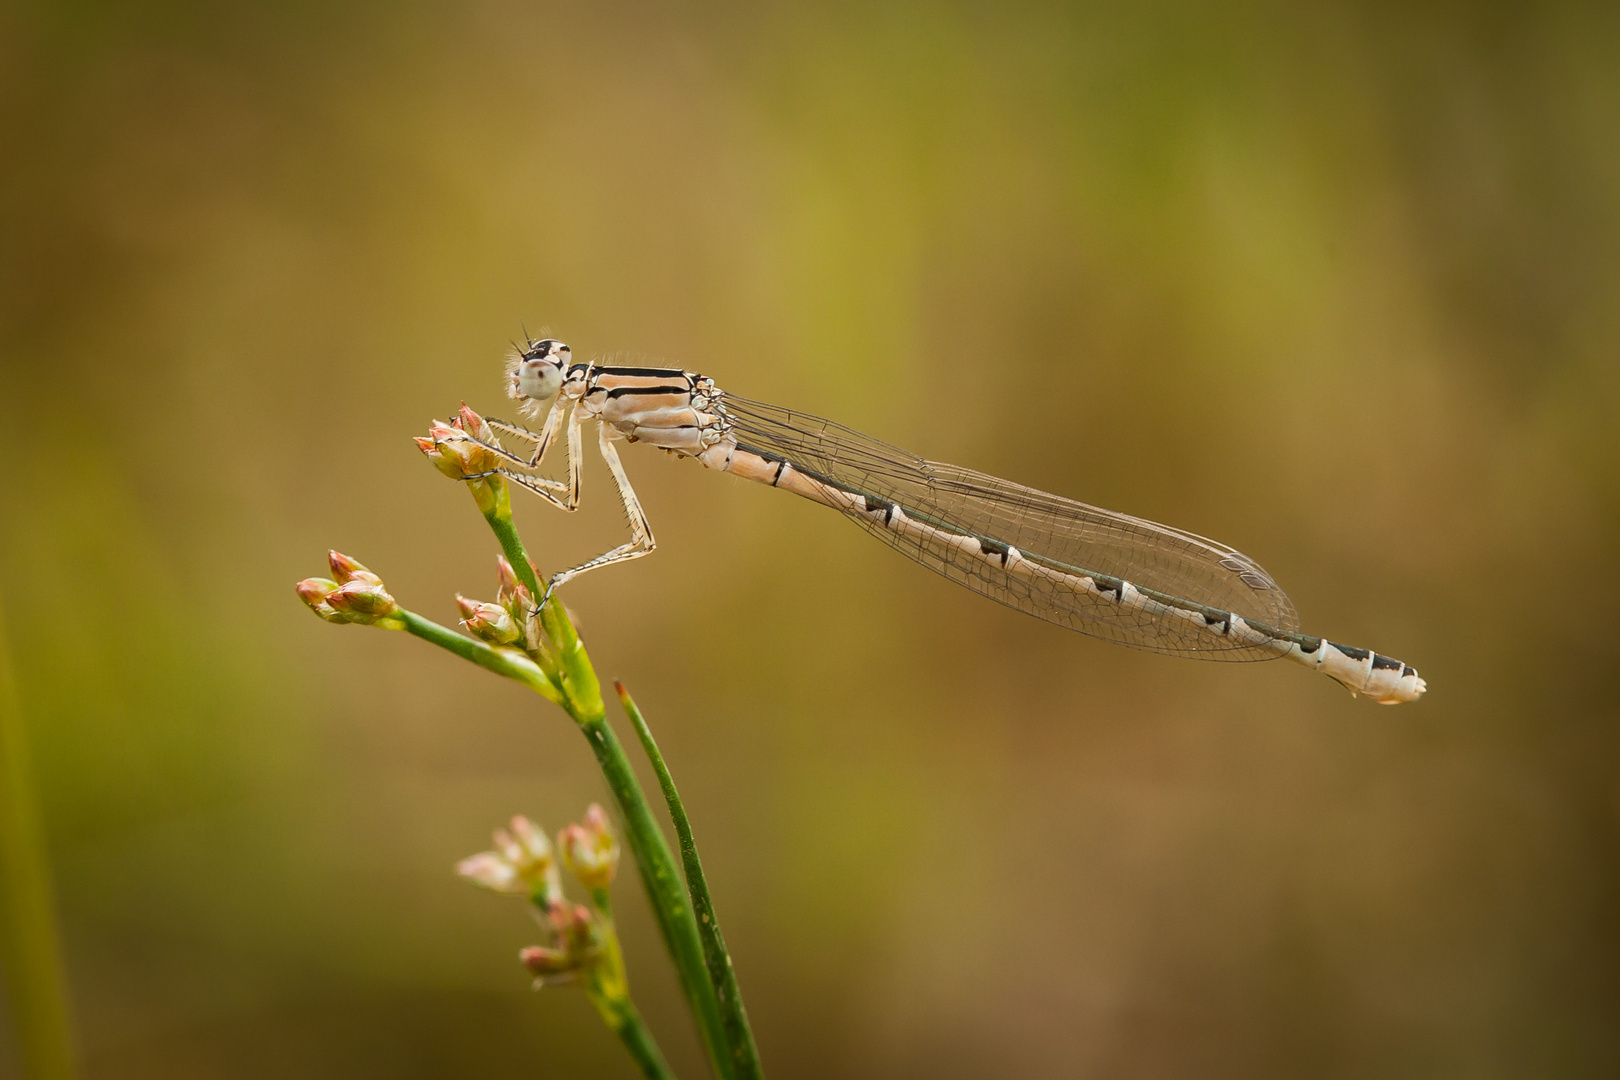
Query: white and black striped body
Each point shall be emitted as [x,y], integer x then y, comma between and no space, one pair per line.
[1006,554]
[664,407]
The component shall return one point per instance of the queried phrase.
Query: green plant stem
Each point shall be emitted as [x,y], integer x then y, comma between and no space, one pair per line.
[610,993]
[575,667]
[582,698]
[506,535]
[663,884]
[653,859]
[626,1022]
[739,1036]
[507,662]
[28,940]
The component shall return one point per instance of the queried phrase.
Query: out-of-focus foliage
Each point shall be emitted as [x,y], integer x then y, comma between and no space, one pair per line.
[1335,284]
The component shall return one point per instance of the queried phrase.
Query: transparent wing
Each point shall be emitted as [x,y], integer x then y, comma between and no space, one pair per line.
[1169,564]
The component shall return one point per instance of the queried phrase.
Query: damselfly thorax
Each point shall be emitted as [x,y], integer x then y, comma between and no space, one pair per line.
[1102,573]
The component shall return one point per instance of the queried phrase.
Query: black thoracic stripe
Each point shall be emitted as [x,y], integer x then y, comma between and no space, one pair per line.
[621,391]
[654,372]
[1384,663]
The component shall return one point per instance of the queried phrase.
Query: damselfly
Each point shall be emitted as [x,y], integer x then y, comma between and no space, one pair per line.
[1102,573]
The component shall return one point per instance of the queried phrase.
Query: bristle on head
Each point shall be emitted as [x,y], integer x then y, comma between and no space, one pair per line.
[514,361]
[535,372]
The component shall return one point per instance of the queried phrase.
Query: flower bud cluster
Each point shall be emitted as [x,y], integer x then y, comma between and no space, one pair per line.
[576,933]
[581,939]
[522,864]
[590,850]
[510,621]
[461,448]
[352,595]
[490,623]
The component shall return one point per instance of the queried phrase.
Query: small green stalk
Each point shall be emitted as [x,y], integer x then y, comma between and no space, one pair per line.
[28,942]
[494,500]
[508,662]
[608,990]
[739,1036]
[625,1021]
[652,854]
[663,884]
[560,670]
[582,698]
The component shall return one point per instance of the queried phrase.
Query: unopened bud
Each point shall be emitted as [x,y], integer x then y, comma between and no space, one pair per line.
[455,454]
[590,850]
[511,593]
[576,946]
[346,569]
[506,581]
[475,425]
[313,591]
[547,965]
[525,846]
[489,623]
[362,601]
[492,872]
[435,454]
[521,864]
[574,925]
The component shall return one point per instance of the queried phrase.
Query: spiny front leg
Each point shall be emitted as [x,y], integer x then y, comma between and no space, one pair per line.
[576,463]
[546,489]
[542,441]
[641,538]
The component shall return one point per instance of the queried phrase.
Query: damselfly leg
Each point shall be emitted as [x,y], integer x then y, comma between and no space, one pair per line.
[641,540]
[548,490]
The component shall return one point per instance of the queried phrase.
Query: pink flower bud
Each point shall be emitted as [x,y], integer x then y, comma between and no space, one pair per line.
[547,964]
[536,847]
[489,623]
[505,578]
[346,569]
[574,925]
[492,872]
[313,591]
[455,454]
[512,594]
[521,864]
[474,425]
[590,850]
[362,601]
[436,457]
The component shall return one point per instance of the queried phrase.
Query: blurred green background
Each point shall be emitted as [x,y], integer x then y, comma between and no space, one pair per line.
[1338,285]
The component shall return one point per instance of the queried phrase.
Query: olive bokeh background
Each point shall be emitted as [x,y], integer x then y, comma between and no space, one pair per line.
[1336,286]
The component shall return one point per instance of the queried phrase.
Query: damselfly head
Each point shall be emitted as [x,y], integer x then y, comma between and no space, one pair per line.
[537,371]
